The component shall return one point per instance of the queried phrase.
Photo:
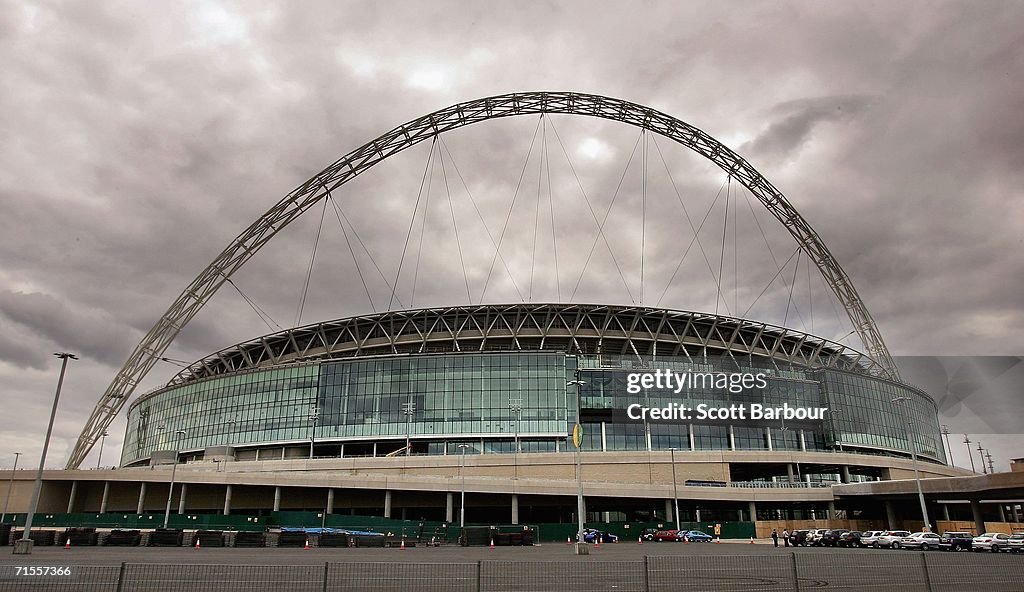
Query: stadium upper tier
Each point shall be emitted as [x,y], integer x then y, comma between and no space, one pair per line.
[493,378]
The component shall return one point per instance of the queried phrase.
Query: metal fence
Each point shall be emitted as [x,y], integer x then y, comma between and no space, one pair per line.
[794,572]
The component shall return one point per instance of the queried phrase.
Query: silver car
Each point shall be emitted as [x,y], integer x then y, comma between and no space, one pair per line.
[891,539]
[1015,544]
[919,540]
[870,538]
[992,541]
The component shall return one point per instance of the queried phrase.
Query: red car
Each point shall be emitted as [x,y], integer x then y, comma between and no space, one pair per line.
[674,536]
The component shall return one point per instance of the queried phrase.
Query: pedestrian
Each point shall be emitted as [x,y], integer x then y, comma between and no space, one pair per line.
[775,537]
[785,536]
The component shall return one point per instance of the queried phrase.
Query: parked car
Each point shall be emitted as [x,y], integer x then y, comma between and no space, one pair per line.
[849,539]
[648,534]
[920,540]
[831,537]
[592,535]
[673,536]
[869,538]
[798,538]
[991,541]
[697,536]
[1015,544]
[814,536]
[891,539]
[956,541]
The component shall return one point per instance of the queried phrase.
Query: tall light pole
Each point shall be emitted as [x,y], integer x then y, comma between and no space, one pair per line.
[516,406]
[970,454]
[24,546]
[913,456]
[462,477]
[991,468]
[981,453]
[949,449]
[314,416]
[675,487]
[10,487]
[174,468]
[409,409]
[103,440]
[577,440]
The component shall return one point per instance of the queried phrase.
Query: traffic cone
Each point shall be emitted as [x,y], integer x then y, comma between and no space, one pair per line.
[67,545]
[686,540]
[718,540]
[568,540]
[197,543]
[639,540]
[402,546]
[492,543]
[597,542]
[751,540]
[307,545]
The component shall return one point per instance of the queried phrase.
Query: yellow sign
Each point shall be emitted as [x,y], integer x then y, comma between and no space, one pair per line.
[718,530]
[577,435]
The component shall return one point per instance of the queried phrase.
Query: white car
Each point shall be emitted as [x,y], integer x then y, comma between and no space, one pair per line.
[992,541]
[891,539]
[1015,544]
[919,540]
[870,538]
[814,536]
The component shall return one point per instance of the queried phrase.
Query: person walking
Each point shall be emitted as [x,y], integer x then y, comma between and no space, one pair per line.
[785,536]
[775,537]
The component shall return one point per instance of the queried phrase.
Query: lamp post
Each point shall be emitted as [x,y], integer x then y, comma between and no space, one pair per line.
[913,456]
[516,406]
[991,468]
[314,416]
[949,449]
[462,477]
[970,454]
[675,487]
[174,469]
[409,409]
[10,487]
[577,440]
[103,440]
[24,546]
[981,453]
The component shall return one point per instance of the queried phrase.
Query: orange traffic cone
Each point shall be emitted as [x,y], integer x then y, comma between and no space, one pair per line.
[67,545]
[402,546]
[686,540]
[568,540]
[492,543]
[718,540]
[307,545]
[197,543]
[751,540]
[639,540]
[597,541]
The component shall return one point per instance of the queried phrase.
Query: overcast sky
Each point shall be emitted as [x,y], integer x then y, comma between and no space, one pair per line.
[140,138]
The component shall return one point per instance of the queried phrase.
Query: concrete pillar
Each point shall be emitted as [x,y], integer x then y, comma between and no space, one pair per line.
[803,442]
[142,498]
[669,517]
[689,432]
[387,504]
[283,448]
[404,511]
[74,492]
[831,510]
[1016,516]
[330,501]
[732,438]
[945,511]
[341,451]
[890,515]
[449,508]
[227,500]
[752,510]
[106,496]
[845,474]
[515,508]
[181,498]
[979,522]
[789,473]
[277,498]
[257,455]
[604,438]
[1002,513]
[768,438]
[697,512]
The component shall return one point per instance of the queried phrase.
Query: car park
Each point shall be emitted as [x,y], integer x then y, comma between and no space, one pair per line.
[991,541]
[869,538]
[849,539]
[924,541]
[798,538]
[891,539]
[1015,544]
[956,541]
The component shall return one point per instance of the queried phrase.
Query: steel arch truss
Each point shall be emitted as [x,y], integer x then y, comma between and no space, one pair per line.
[249,242]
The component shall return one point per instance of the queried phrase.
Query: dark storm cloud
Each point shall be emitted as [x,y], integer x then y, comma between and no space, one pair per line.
[139,141]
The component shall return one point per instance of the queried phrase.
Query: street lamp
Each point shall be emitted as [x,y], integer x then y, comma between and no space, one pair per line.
[408,409]
[913,456]
[991,468]
[24,546]
[577,440]
[462,477]
[970,454]
[675,487]
[174,468]
[949,449]
[516,406]
[10,487]
[103,440]
[981,453]
[314,416]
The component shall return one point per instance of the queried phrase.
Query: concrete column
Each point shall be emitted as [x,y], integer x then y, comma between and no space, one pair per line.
[945,512]
[669,517]
[789,473]
[689,431]
[768,438]
[106,495]
[697,511]
[181,498]
[283,448]
[257,455]
[404,511]
[890,515]
[845,475]
[979,522]
[227,501]
[1016,516]
[831,510]
[74,492]
[515,508]
[1002,513]
[604,438]
[330,501]
[374,450]
[803,442]
[449,508]
[387,504]
[647,436]
[752,510]
[277,498]
[142,498]
[341,451]
[732,438]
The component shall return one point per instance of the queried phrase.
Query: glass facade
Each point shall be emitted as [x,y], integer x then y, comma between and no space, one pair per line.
[486,400]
